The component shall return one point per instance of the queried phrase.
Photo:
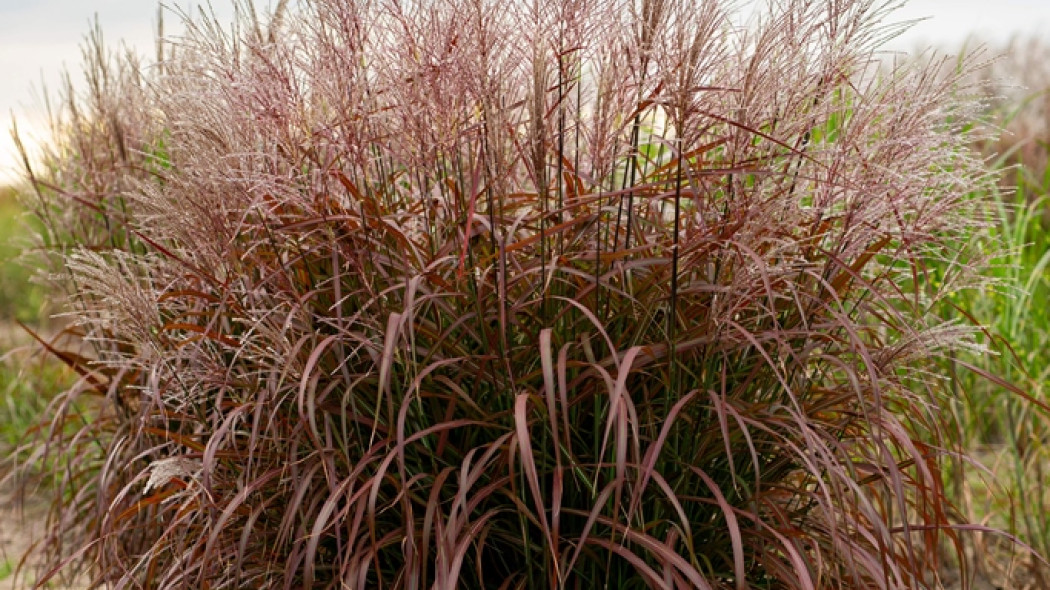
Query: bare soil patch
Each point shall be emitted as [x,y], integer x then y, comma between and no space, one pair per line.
[20,527]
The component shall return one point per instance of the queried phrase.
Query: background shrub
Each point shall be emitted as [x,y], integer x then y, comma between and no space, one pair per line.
[480,293]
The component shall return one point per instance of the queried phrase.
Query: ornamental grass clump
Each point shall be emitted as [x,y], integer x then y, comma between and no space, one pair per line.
[498,294]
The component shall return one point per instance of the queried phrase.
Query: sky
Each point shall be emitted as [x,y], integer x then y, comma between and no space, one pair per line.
[39,38]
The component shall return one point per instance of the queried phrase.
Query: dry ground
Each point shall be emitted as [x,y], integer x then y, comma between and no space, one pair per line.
[19,528]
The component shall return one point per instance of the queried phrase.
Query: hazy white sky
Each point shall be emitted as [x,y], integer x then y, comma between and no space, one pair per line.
[40,37]
[950,22]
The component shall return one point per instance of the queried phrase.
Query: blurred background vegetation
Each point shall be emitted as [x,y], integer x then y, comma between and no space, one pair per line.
[28,378]
[1003,423]
[20,298]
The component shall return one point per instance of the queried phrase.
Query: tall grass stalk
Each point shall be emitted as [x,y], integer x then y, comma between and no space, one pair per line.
[493,294]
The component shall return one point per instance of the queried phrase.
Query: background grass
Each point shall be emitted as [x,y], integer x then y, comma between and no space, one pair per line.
[29,377]
[20,298]
[1008,433]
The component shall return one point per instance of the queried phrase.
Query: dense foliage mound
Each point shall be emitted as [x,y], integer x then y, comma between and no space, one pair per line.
[499,294]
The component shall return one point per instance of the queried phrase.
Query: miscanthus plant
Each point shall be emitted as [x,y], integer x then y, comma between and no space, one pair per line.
[499,294]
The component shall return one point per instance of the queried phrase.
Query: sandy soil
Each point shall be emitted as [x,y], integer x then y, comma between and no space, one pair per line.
[19,529]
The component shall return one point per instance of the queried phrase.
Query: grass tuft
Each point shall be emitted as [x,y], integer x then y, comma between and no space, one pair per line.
[488,294]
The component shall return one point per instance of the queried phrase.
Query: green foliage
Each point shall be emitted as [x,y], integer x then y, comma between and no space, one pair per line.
[7,567]
[20,298]
[29,382]
[1005,424]
[20,407]
[26,386]
[1007,431]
